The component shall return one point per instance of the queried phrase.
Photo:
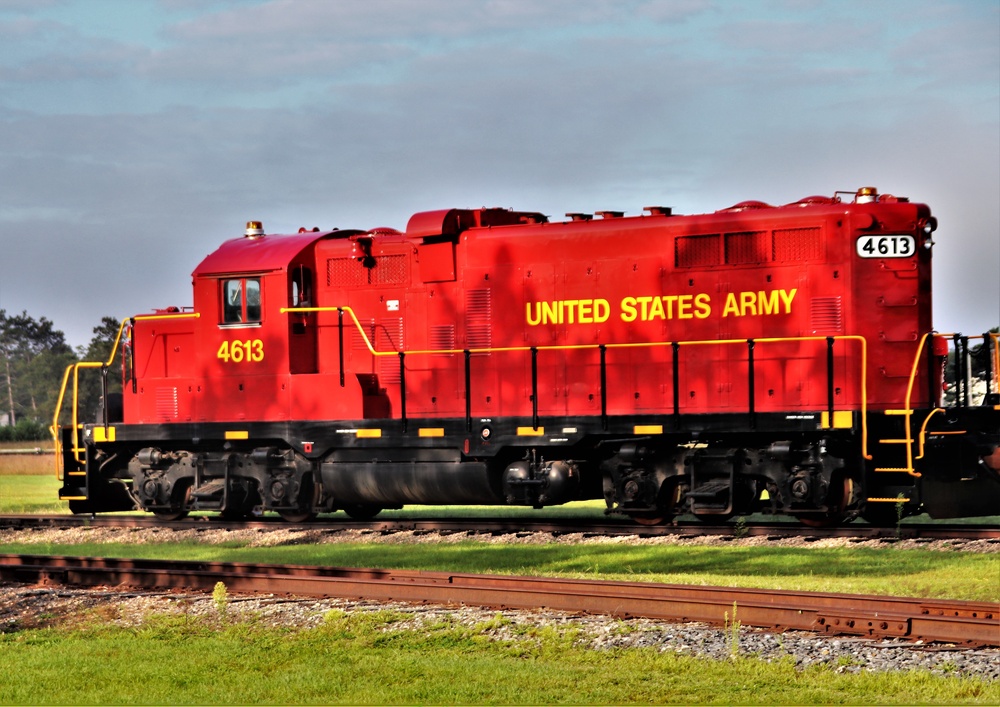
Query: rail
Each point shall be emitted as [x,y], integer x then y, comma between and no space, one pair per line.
[602,349]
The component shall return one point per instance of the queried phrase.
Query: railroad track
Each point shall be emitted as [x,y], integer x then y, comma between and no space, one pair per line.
[964,623]
[562,526]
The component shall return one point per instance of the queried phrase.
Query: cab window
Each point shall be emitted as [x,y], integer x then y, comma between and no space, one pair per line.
[241,300]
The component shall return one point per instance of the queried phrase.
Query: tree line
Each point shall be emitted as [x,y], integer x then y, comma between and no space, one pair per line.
[33,356]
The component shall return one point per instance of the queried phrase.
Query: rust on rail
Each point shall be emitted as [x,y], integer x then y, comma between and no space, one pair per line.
[928,620]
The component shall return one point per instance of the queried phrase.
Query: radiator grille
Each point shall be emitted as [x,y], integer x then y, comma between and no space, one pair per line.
[350,272]
[748,248]
[696,251]
[795,244]
[345,272]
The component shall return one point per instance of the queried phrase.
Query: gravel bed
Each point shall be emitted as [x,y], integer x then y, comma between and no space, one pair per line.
[267,537]
[30,606]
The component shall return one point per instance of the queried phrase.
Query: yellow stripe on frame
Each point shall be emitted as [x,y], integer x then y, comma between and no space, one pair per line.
[431,432]
[104,434]
[237,434]
[530,432]
[842,419]
[368,433]
[648,429]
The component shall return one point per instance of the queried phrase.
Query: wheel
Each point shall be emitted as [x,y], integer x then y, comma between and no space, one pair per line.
[307,500]
[666,506]
[297,516]
[170,515]
[362,512]
[840,497]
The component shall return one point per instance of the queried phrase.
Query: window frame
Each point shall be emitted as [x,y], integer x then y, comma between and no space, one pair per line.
[238,314]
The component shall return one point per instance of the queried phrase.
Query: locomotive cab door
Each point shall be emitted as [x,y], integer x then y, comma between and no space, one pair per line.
[302,357]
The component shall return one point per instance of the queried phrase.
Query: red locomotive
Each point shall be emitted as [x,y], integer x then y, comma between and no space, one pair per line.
[758,358]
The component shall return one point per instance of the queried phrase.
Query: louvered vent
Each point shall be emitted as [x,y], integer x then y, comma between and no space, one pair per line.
[748,248]
[796,244]
[696,251]
[479,319]
[358,341]
[389,337]
[826,315]
[442,338]
[166,403]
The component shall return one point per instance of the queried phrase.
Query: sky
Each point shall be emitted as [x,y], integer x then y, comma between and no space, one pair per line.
[137,135]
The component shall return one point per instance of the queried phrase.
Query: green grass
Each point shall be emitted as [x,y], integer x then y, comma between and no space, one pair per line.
[364,659]
[889,571]
[35,494]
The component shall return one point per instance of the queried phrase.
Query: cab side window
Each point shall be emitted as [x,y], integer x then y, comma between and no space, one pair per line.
[241,300]
[301,294]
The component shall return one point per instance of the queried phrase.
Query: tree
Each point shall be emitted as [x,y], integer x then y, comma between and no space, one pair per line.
[33,355]
[99,350]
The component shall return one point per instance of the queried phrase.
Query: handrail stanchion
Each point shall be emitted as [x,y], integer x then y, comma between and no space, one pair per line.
[534,387]
[829,379]
[468,390]
[604,387]
[340,339]
[751,383]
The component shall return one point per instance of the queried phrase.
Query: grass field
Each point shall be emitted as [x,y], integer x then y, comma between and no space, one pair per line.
[364,658]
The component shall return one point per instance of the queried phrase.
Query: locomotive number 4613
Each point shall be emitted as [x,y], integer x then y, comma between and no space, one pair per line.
[249,350]
[886,246]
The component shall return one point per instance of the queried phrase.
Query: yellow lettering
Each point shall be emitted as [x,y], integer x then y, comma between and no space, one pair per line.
[628,309]
[670,299]
[703,306]
[550,313]
[684,307]
[731,306]
[567,306]
[656,310]
[748,301]
[786,299]
[602,310]
[644,311]
[537,319]
[768,302]
[585,311]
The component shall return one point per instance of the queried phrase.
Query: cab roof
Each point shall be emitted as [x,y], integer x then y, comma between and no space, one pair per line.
[267,253]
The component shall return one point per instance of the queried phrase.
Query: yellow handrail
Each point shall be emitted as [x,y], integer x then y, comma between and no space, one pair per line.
[75,369]
[642,344]
[908,409]
[996,361]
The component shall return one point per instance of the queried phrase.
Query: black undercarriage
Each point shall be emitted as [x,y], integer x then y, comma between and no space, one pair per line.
[650,468]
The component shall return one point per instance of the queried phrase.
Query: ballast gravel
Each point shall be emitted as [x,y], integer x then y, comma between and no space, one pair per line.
[24,606]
